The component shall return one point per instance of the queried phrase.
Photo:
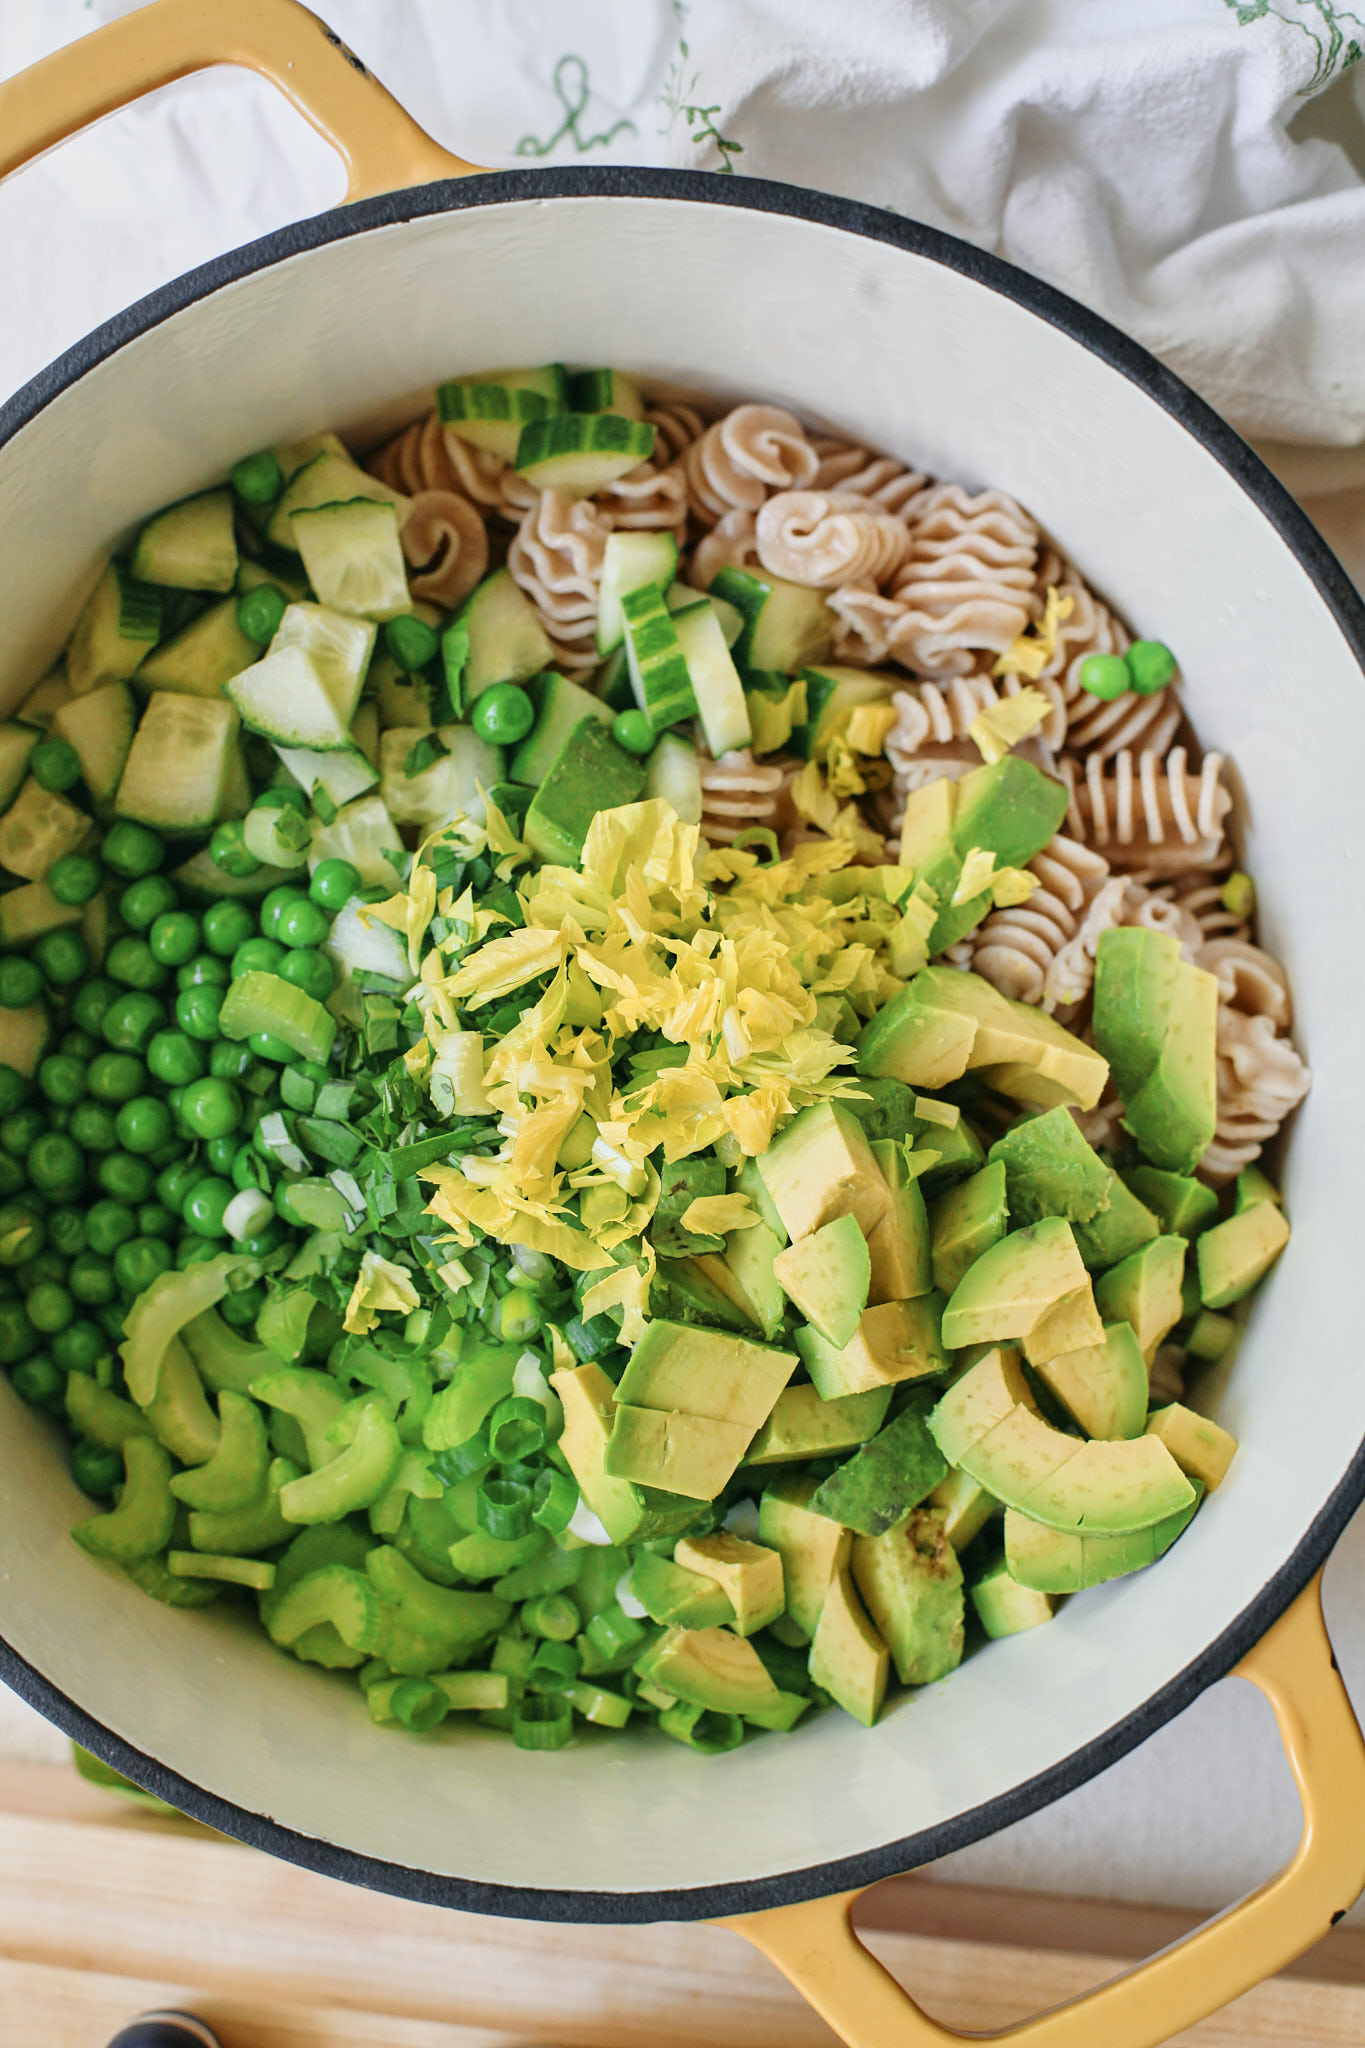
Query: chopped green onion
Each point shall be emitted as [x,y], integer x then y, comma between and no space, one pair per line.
[418,1705]
[517,1429]
[503,1507]
[554,1667]
[701,1728]
[544,1721]
[554,1499]
[553,1616]
[606,1709]
[473,1455]
[613,1631]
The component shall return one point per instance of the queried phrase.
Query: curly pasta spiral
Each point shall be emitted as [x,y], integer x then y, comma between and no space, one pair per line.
[938,712]
[967,582]
[754,450]
[866,620]
[556,558]
[427,457]
[825,538]
[846,467]
[1261,1078]
[1019,949]
[1148,811]
[676,426]
[738,792]
[446,544]
[646,498]
[1095,726]
[731,544]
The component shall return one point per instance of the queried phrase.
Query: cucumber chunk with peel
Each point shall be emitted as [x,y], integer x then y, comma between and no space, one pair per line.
[658,667]
[581,452]
[205,655]
[100,727]
[178,763]
[120,624]
[354,561]
[495,637]
[342,776]
[304,691]
[715,680]
[629,561]
[328,479]
[672,772]
[189,546]
[16,744]
[490,410]
[786,625]
[37,829]
[452,786]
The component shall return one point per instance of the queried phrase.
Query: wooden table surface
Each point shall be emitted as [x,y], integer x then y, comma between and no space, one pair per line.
[105,1911]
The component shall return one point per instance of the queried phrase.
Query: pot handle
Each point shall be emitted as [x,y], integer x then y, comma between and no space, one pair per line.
[815,1946]
[381,146]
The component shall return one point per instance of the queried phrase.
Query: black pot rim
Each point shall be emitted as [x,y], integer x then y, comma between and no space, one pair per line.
[1227,448]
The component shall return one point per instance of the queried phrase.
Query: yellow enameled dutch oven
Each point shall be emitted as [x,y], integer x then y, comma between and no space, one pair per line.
[922,345]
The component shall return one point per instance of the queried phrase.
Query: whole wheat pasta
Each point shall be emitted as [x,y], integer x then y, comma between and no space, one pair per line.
[825,538]
[846,467]
[446,545]
[938,712]
[556,558]
[676,426]
[731,544]
[1148,811]
[738,792]
[1261,1078]
[648,498]
[754,450]
[967,582]
[428,457]
[1017,948]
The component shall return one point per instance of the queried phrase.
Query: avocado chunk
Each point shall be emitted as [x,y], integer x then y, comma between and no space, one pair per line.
[803,1425]
[1102,1386]
[1235,1254]
[1183,1206]
[1253,1186]
[1145,1290]
[692,1455]
[749,1260]
[1123,1226]
[679,1368]
[986,1393]
[1210,1334]
[1050,1170]
[878,1486]
[710,1667]
[1108,1488]
[589,774]
[559,707]
[898,1246]
[674,1596]
[847,1656]
[949,1156]
[1004,1607]
[812,1547]
[885,1109]
[821,1166]
[749,1575]
[911,1585]
[625,1511]
[1156,1020]
[680,1184]
[1017,1049]
[896,1340]
[1011,808]
[1011,1287]
[963,1507]
[919,1037]
[1200,1448]
[1052,1561]
[682,1291]
[749,1181]
[967,1221]
[1068,1325]
[827,1275]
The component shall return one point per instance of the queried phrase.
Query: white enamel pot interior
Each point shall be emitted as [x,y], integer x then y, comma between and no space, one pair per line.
[971,371]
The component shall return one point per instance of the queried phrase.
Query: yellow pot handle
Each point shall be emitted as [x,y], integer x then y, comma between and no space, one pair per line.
[381,146]
[815,1946]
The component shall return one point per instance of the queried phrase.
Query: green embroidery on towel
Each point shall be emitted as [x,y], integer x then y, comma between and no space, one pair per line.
[573,90]
[1335,46]
[679,95]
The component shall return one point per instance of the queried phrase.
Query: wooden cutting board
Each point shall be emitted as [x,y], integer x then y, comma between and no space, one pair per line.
[105,1911]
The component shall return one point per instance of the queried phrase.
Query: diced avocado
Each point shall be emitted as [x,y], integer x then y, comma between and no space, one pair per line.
[681,1182]
[691,1455]
[1012,1286]
[749,1575]
[962,1506]
[1011,808]
[673,1596]
[812,1548]
[1069,1324]
[1005,1608]
[896,1340]
[847,1656]
[203,656]
[820,1166]
[885,1109]
[710,1667]
[679,1368]
[911,1585]
[559,707]
[29,911]
[1104,1487]
[956,1154]
[624,1510]
[681,1292]
[23,1036]
[879,1485]
[1156,1022]
[1183,1206]
[966,1222]
[1210,1334]
[918,1038]
[100,727]
[984,1396]
[749,1181]
[589,774]
[827,1275]
[1053,1561]
[37,829]
[1122,1227]
[803,1425]
[1103,1386]
[944,1021]
[1252,1187]
[1235,1254]
[1200,1448]
[1050,1170]
[1135,976]
[1144,1290]
[749,1260]
[898,1245]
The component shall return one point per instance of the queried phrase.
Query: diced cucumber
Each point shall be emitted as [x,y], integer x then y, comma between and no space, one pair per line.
[340,776]
[365,731]
[251,575]
[715,680]
[100,727]
[581,452]
[451,787]
[237,792]
[590,774]
[353,557]
[95,929]
[207,654]
[362,833]
[178,764]
[304,691]
[612,681]
[658,666]
[201,878]
[189,546]
[328,479]
[292,455]
[26,913]
[259,1001]
[831,693]
[671,772]
[489,410]
[120,624]
[631,560]
[37,829]
[16,744]
[402,698]
[681,597]
[505,640]
[559,706]
[606,391]
[786,625]
[23,1038]
[42,701]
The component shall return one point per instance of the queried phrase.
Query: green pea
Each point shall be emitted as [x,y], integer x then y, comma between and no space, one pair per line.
[262,1242]
[80,1045]
[92,1002]
[19,1130]
[502,715]
[63,957]
[334,883]
[55,1164]
[21,983]
[283,796]
[193,1251]
[204,971]
[241,1309]
[140,1261]
[633,731]
[116,1076]
[229,1060]
[50,1308]
[18,1338]
[258,480]
[79,1347]
[96,1471]
[144,1124]
[155,1221]
[131,1021]
[302,924]
[248,1169]
[206,1204]
[126,1177]
[112,1317]
[174,1182]
[411,642]
[272,907]
[1151,665]
[212,1108]
[142,903]
[229,851]
[61,1078]
[175,1059]
[1105,676]
[108,1225]
[22,1234]
[13,1089]
[259,612]
[55,765]
[93,1128]
[227,925]
[196,1011]
[75,878]
[267,1047]
[133,962]
[90,1279]
[12,1176]
[132,850]
[264,955]
[311,971]
[219,1153]
[174,938]
[66,1230]
[40,1382]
